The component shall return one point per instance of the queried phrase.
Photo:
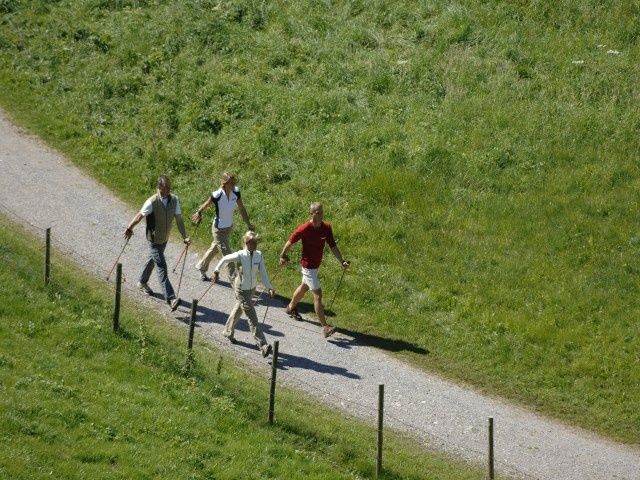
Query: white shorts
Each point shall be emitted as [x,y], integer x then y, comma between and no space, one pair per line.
[310,278]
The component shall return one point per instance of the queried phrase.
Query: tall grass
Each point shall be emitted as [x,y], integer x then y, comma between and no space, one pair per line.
[478,161]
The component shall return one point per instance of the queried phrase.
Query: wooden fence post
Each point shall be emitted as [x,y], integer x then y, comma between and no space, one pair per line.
[380,426]
[47,256]
[491,459]
[272,390]
[116,307]
[192,323]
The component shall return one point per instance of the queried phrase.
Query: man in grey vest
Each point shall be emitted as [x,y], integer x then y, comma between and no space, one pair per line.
[159,210]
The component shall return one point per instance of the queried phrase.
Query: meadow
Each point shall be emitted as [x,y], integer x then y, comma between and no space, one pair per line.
[79,401]
[478,160]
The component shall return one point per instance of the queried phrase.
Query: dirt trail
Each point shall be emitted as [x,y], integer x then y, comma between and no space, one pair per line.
[43,189]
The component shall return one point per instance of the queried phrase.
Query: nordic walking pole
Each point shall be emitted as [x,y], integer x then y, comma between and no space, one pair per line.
[205,292]
[268,304]
[179,258]
[186,248]
[262,292]
[344,270]
[117,259]
[214,280]
[265,313]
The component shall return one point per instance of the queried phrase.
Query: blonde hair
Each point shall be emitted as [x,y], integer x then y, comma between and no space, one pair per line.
[250,236]
[226,177]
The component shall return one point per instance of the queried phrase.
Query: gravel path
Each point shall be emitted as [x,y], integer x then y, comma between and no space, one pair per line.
[43,189]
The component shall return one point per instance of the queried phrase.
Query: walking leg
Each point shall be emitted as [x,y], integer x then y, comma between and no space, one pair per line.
[297,295]
[163,273]
[232,321]
[250,312]
[318,307]
[148,266]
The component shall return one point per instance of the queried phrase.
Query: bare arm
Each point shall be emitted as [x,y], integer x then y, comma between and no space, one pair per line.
[244,215]
[284,257]
[134,221]
[196,217]
[183,231]
[232,257]
[338,255]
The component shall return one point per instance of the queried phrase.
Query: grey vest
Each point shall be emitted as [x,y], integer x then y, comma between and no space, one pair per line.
[160,219]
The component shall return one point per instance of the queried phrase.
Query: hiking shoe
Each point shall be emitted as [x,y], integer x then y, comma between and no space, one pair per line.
[174,304]
[204,277]
[145,288]
[293,313]
[267,351]
[231,338]
[328,330]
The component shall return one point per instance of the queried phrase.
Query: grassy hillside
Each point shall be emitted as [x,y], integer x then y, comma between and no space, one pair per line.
[479,161]
[77,401]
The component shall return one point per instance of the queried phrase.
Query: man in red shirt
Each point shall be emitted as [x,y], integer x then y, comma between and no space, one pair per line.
[314,234]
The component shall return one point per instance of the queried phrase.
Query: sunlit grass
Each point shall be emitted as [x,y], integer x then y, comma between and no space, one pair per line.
[478,161]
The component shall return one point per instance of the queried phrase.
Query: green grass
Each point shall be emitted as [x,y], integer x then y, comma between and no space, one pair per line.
[480,177]
[78,401]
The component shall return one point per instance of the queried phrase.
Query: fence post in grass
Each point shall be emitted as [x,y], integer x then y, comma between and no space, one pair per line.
[380,424]
[192,323]
[491,459]
[47,256]
[272,390]
[116,307]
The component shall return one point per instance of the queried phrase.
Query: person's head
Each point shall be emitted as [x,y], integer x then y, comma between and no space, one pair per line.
[315,209]
[250,240]
[164,185]
[228,180]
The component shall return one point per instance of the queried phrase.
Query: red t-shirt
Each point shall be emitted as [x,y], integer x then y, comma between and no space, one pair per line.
[313,240]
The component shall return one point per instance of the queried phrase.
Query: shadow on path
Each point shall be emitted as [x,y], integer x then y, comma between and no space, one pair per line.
[203,314]
[369,340]
[209,315]
[363,339]
[287,361]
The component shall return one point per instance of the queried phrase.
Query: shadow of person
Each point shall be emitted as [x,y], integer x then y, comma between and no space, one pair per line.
[209,315]
[203,314]
[370,340]
[306,308]
[359,338]
[248,345]
[287,361]
[267,329]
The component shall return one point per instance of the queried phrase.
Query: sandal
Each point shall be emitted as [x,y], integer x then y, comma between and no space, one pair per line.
[328,331]
[293,313]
